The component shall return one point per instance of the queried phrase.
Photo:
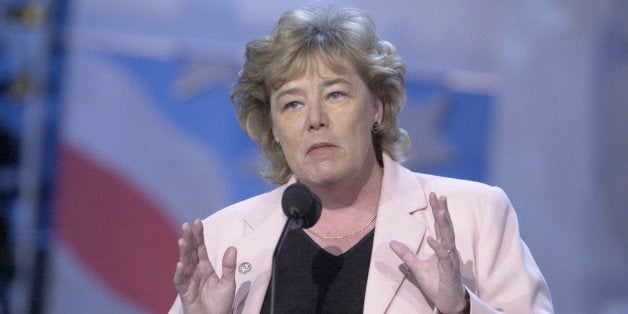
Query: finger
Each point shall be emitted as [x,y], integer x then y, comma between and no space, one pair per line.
[180,279]
[199,239]
[188,234]
[448,237]
[186,250]
[434,210]
[435,213]
[183,251]
[198,232]
[443,203]
[444,244]
[406,255]
[443,227]
[436,230]
[436,245]
[229,265]
[446,259]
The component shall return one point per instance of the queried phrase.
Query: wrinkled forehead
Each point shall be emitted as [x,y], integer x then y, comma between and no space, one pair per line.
[310,63]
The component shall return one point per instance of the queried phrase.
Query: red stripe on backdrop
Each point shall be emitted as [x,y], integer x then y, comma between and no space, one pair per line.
[118,232]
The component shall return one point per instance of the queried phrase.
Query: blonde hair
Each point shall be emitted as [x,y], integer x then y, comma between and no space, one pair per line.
[334,35]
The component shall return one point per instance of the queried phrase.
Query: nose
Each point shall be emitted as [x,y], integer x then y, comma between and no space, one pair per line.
[318,116]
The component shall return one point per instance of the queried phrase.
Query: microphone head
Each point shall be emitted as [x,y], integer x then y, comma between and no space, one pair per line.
[300,203]
[311,217]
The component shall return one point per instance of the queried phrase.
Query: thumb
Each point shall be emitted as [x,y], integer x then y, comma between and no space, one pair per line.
[425,271]
[418,267]
[405,254]
[229,264]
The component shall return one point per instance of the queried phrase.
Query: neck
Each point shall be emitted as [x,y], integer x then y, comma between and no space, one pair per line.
[361,193]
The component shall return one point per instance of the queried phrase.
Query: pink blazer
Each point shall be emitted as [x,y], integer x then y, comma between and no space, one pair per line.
[498,270]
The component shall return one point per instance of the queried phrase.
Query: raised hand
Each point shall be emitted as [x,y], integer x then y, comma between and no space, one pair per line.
[198,285]
[439,275]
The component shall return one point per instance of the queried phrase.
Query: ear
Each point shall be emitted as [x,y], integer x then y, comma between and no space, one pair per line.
[378,112]
[275,134]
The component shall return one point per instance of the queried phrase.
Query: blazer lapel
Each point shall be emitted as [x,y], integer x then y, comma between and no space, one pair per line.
[256,248]
[401,197]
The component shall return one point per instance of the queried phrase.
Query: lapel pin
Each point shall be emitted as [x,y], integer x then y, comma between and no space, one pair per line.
[244,268]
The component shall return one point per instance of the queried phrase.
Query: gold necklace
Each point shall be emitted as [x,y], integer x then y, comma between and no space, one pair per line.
[342,236]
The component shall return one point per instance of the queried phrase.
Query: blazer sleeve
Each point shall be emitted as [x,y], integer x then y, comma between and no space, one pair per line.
[508,279]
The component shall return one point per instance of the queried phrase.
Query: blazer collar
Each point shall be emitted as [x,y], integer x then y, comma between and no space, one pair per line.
[401,197]
[401,200]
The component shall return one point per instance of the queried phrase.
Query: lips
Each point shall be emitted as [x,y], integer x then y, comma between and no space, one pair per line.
[320,147]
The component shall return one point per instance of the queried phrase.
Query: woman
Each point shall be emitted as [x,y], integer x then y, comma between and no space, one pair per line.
[321,95]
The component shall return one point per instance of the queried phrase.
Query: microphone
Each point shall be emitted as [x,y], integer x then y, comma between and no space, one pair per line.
[300,204]
[303,209]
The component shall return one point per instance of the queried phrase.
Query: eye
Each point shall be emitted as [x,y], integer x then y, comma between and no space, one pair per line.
[292,105]
[336,95]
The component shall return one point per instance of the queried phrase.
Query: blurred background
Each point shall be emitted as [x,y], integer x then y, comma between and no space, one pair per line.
[116,127]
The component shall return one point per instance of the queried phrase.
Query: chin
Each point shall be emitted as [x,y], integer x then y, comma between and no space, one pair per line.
[322,177]
[322,181]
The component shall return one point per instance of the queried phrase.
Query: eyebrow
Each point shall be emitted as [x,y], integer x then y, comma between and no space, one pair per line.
[326,84]
[335,81]
[291,91]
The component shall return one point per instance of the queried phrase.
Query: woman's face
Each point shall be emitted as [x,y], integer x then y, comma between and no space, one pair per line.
[323,121]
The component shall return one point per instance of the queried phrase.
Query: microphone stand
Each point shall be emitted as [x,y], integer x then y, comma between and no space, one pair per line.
[294,222]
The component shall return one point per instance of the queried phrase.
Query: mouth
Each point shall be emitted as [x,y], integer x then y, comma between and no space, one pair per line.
[320,148]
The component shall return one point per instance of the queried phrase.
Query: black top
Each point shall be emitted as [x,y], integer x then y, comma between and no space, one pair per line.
[311,280]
